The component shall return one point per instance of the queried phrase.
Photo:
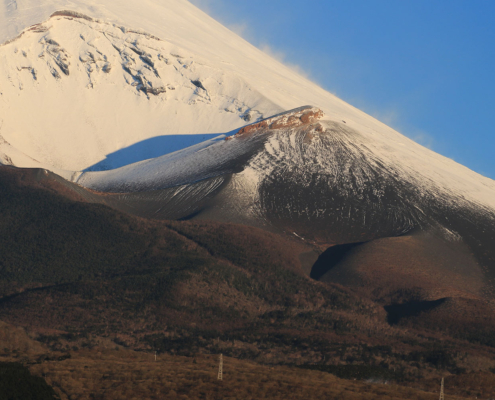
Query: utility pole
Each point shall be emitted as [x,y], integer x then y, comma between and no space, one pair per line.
[220,368]
[155,355]
[442,397]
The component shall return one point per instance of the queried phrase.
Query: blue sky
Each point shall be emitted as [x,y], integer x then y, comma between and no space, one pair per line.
[426,68]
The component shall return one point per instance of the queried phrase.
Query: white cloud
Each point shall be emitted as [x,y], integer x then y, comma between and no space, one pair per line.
[242,29]
[204,5]
[390,117]
[393,118]
[424,139]
[281,57]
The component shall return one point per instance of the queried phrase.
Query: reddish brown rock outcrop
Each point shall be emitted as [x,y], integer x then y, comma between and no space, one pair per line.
[297,117]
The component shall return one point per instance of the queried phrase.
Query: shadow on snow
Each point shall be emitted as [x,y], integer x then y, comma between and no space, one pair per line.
[149,148]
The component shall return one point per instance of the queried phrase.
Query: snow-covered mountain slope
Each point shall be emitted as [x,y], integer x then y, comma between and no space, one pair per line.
[75,91]
[88,85]
[120,56]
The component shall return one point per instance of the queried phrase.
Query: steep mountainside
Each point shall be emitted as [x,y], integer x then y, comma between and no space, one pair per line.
[165,187]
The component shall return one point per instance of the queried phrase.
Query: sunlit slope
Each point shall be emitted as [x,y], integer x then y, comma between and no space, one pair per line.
[82,94]
[84,91]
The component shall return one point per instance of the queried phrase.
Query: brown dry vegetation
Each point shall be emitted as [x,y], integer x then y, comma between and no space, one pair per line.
[82,279]
[111,372]
[124,374]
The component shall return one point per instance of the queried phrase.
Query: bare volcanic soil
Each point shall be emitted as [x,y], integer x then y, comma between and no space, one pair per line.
[75,275]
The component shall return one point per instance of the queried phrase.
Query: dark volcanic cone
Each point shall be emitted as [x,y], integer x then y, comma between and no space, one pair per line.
[324,183]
